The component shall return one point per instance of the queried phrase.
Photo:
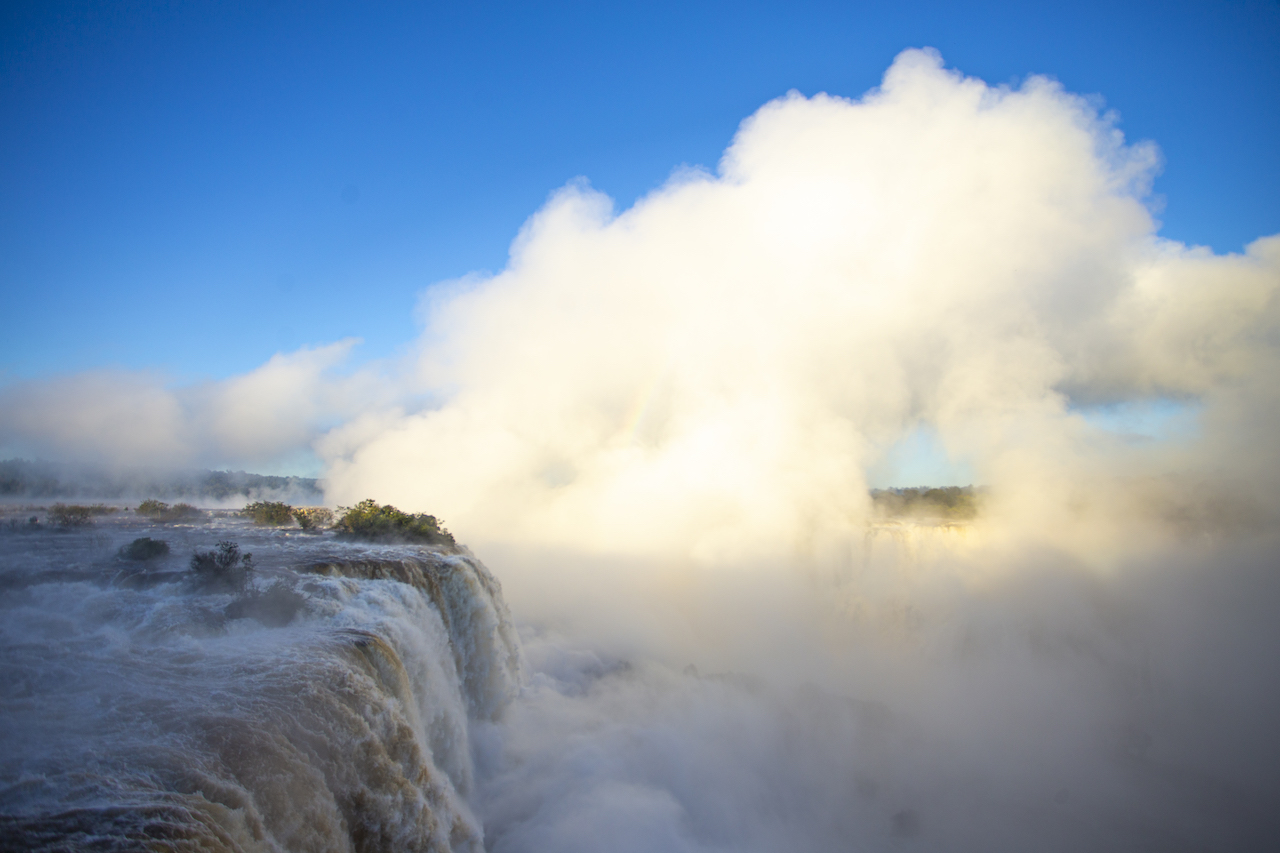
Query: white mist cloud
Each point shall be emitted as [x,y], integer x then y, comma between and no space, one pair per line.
[657,426]
[715,369]
[137,419]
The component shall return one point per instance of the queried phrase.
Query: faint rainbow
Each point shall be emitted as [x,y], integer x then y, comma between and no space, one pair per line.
[641,404]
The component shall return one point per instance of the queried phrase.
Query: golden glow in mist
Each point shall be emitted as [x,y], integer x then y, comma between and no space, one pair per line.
[712,371]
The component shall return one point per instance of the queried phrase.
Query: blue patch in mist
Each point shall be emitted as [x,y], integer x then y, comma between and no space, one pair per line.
[300,462]
[1147,420]
[919,459]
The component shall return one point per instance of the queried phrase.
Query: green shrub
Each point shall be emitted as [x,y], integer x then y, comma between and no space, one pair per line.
[152,507]
[371,522]
[160,511]
[70,515]
[313,517]
[75,515]
[270,513]
[144,548]
[223,570]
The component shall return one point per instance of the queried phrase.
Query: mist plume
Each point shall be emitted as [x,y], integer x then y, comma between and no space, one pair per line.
[657,424]
[126,420]
[713,370]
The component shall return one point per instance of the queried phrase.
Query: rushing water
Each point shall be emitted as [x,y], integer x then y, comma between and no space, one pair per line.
[136,709]
[916,694]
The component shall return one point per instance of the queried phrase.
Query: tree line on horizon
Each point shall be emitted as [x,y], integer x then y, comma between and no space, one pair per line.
[960,503]
[23,478]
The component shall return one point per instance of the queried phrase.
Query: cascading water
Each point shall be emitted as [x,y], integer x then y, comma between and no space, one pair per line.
[139,713]
[915,687]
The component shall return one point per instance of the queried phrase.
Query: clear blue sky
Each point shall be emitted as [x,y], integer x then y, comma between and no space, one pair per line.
[193,187]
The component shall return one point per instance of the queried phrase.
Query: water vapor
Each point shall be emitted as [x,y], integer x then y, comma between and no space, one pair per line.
[130,420]
[657,425]
[713,370]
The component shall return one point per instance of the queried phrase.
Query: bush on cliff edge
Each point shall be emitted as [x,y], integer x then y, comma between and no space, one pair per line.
[371,522]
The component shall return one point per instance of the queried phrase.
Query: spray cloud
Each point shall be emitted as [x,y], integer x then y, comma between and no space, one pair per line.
[714,369]
[657,425]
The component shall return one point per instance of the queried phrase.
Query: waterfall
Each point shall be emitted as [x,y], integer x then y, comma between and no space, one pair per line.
[140,713]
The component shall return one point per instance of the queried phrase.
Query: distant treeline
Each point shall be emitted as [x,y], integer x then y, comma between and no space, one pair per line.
[948,502]
[23,479]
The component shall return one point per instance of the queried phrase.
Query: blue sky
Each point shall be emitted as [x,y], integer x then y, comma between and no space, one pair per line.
[192,187]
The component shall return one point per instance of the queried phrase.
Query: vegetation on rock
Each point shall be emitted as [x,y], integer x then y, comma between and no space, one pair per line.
[313,517]
[160,511]
[144,548]
[269,513]
[76,515]
[223,570]
[372,522]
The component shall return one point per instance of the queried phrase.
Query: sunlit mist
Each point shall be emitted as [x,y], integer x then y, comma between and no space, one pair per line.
[892,486]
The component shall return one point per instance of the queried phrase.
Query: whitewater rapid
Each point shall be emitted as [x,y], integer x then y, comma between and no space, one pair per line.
[138,714]
[918,688]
